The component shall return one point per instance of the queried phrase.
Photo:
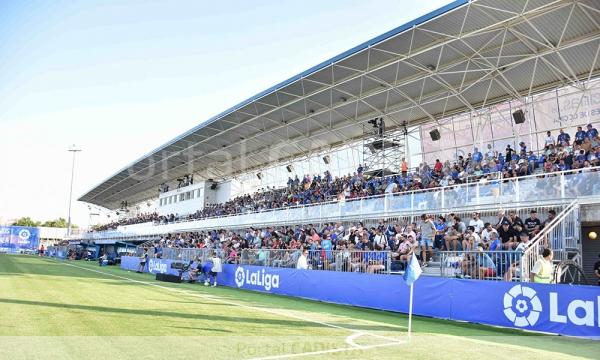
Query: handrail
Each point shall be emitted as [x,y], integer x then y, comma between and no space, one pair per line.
[439,188]
[532,252]
[442,191]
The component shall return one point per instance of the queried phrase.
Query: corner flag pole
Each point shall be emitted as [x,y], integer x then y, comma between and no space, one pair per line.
[410,305]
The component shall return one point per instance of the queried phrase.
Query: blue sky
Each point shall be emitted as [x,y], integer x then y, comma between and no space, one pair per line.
[119,78]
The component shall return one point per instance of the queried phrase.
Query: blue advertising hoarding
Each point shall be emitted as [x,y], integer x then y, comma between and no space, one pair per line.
[559,309]
[16,238]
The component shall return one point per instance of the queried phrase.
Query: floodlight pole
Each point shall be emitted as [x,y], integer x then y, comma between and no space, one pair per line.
[73,149]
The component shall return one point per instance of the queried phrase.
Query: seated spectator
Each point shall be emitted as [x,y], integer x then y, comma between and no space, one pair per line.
[507,235]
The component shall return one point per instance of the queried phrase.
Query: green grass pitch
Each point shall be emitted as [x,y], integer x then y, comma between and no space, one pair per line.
[53,309]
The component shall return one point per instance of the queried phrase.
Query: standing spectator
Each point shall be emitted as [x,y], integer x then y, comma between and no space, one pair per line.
[440,230]
[404,168]
[591,132]
[551,216]
[533,224]
[549,140]
[491,154]
[564,138]
[542,270]
[509,153]
[427,234]
[522,149]
[302,263]
[360,170]
[477,156]
[580,135]
[438,166]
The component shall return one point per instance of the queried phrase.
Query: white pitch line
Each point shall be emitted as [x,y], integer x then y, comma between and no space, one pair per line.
[223,301]
[350,339]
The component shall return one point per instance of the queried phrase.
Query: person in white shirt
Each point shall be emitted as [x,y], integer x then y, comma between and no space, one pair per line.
[302,263]
[217,267]
[491,154]
[476,222]
[380,238]
[549,139]
[471,239]
[524,243]
[487,232]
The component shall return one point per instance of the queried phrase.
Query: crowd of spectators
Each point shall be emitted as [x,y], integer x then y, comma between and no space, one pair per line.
[141,218]
[430,234]
[559,154]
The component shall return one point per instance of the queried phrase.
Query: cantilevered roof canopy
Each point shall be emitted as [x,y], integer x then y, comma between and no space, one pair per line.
[460,58]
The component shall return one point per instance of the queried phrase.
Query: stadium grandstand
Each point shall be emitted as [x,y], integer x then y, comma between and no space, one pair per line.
[467,137]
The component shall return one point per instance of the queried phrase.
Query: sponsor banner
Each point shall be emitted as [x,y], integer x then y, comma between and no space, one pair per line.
[384,292]
[559,309]
[154,266]
[19,237]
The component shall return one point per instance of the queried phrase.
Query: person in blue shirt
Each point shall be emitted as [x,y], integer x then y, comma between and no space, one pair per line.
[580,135]
[501,158]
[326,246]
[562,166]
[564,138]
[591,132]
[531,162]
[581,156]
[477,156]
[440,230]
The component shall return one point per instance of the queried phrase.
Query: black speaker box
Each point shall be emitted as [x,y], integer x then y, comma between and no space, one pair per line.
[168,278]
[519,117]
[435,134]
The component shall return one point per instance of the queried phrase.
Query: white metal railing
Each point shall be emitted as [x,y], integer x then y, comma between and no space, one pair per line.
[364,261]
[188,254]
[482,265]
[561,235]
[557,187]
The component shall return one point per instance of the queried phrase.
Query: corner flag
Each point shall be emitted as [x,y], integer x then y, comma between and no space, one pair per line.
[411,274]
[413,271]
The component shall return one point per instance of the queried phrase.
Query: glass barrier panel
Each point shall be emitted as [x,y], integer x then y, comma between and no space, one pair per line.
[427,200]
[373,206]
[399,202]
[351,207]
[540,188]
[313,212]
[582,184]
[330,210]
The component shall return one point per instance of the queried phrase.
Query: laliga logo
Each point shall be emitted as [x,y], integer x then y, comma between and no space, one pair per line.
[522,306]
[24,234]
[239,277]
[157,267]
[258,278]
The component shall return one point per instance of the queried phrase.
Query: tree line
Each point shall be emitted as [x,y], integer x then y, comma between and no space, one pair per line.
[58,223]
